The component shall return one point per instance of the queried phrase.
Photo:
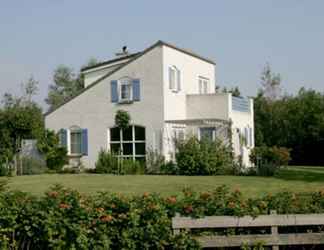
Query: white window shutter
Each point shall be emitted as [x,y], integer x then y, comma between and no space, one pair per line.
[178,80]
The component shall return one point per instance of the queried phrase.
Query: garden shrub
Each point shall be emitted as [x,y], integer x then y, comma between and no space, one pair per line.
[269,159]
[129,166]
[203,157]
[55,154]
[66,219]
[154,161]
[31,165]
[107,163]
[169,168]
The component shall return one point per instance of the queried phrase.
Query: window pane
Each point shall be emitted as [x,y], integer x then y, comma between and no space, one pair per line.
[114,134]
[206,133]
[125,91]
[128,134]
[140,148]
[172,77]
[139,133]
[76,142]
[127,148]
[115,148]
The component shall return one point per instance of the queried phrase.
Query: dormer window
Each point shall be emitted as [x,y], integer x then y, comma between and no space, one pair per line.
[125,90]
[174,79]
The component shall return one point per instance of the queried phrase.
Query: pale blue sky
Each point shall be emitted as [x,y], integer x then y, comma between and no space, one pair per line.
[241,36]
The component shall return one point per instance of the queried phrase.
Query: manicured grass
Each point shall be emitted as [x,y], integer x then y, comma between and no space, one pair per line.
[294,179]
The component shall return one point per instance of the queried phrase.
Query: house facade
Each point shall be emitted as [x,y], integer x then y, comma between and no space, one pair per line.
[168,92]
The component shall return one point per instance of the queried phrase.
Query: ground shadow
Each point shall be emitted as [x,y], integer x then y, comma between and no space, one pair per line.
[300,175]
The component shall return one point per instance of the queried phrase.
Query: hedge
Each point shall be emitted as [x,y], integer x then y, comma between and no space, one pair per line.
[65,219]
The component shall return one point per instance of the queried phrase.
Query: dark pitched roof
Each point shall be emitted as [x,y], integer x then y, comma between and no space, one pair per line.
[133,57]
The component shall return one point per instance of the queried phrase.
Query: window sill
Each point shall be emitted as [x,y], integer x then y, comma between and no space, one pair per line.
[75,155]
[125,102]
[175,91]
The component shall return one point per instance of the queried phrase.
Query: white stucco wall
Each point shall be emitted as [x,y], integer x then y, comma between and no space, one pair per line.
[94,110]
[241,120]
[191,68]
[207,106]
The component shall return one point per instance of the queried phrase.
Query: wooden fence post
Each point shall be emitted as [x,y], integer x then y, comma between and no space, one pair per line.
[176,231]
[274,231]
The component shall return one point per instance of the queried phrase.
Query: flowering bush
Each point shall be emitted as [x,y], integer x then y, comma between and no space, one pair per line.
[66,219]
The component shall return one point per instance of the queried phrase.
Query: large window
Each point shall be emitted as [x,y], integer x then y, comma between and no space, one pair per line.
[129,142]
[203,85]
[76,141]
[125,89]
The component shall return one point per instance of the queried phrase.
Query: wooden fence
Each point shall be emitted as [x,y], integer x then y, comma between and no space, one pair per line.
[272,221]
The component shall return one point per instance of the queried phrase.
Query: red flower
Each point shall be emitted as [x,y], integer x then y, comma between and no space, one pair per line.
[188,209]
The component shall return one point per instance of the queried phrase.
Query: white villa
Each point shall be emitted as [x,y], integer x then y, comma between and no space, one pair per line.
[169,93]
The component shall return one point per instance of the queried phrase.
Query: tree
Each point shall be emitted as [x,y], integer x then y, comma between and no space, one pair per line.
[20,118]
[234,90]
[270,82]
[66,84]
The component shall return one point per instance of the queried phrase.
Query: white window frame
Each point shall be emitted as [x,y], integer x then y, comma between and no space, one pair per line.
[125,82]
[203,85]
[133,142]
[73,129]
[175,81]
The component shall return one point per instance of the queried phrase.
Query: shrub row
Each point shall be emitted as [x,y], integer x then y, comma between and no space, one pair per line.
[66,219]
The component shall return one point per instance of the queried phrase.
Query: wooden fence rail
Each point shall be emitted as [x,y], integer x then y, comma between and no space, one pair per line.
[273,221]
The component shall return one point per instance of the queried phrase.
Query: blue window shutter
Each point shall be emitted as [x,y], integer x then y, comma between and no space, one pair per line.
[84,142]
[63,137]
[114,91]
[136,90]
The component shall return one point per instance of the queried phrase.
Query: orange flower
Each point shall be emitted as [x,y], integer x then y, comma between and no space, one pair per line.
[113,205]
[231,204]
[322,192]
[171,200]
[106,218]
[263,204]
[146,194]
[205,195]
[64,206]
[53,194]
[100,209]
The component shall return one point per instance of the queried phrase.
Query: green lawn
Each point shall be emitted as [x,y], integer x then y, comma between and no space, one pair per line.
[297,179]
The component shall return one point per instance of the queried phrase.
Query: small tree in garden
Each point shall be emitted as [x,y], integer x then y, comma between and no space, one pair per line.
[203,157]
[122,119]
[55,154]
